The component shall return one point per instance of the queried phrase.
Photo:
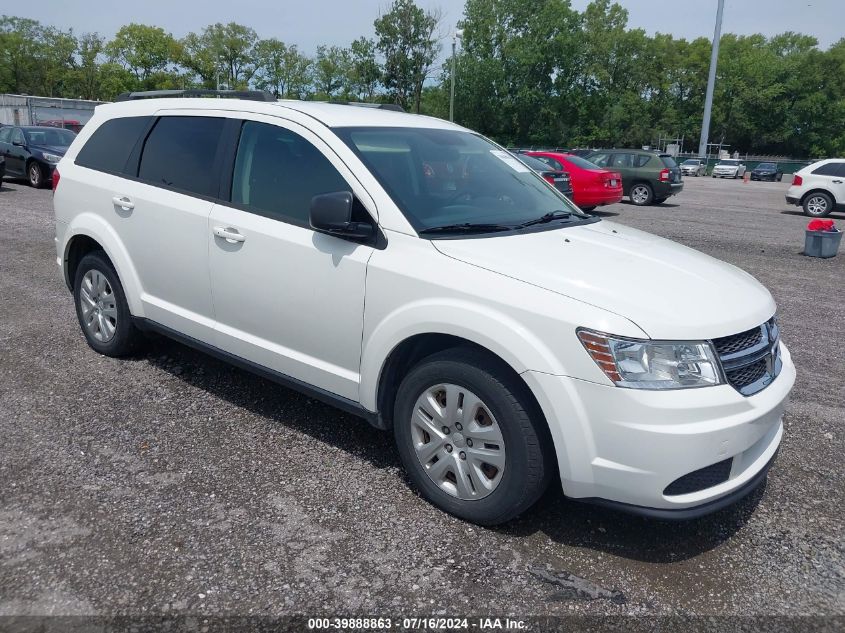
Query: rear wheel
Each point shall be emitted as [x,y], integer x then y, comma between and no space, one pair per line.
[102,309]
[818,204]
[470,438]
[642,194]
[588,209]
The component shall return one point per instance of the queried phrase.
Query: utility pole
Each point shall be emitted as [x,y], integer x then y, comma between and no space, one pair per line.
[455,36]
[711,82]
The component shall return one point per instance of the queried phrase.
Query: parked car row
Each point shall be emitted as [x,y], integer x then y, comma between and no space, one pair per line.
[32,152]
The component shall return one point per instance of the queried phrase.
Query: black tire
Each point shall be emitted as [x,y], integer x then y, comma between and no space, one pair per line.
[780,177]
[646,199]
[35,175]
[659,200]
[817,204]
[588,209]
[528,452]
[126,338]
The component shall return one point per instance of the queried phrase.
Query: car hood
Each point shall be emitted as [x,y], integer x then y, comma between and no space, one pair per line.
[670,291]
[58,150]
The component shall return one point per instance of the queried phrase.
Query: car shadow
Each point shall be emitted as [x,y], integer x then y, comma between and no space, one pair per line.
[833,214]
[667,205]
[582,525]
[603,214]
[567,522]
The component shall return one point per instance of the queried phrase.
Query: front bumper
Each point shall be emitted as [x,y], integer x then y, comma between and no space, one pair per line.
[623,447]
[725,174]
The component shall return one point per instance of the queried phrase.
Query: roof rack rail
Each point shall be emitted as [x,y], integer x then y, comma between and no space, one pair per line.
[377,106]
[250,95]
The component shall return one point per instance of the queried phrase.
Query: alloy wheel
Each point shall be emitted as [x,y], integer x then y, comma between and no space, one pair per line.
[99,308]
[817,205]
[639,194]
[458,441]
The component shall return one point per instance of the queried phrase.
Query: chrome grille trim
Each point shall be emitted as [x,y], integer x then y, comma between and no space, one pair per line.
[750,360]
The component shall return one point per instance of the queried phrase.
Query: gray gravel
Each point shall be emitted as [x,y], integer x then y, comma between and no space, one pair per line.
[172,483]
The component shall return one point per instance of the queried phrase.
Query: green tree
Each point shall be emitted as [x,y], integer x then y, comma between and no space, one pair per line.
[281,69]
[224,50]
[144,51]
[364,71]
[331,71]
[408,43]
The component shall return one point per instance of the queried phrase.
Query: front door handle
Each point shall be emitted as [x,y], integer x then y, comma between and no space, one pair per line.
[229,234]
[123,202]
[837,182]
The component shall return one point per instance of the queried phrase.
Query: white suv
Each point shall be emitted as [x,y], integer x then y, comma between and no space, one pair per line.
[412,272]
[819,188]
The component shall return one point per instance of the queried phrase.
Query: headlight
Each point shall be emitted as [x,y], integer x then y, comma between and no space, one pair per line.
[51,158]
[643,364]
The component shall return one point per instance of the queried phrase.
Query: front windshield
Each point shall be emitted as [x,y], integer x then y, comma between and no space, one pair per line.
[445,177]
[766,166]
[729,163]
[50,137]
[691,161]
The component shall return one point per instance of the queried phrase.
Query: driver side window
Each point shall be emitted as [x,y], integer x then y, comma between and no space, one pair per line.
[17,136]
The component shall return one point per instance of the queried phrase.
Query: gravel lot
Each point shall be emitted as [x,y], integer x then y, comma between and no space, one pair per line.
[172,483]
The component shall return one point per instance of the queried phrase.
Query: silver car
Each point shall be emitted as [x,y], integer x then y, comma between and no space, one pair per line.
[729,168]
[693,167]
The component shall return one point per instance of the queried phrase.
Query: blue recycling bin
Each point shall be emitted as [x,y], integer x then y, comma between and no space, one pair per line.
[822,243]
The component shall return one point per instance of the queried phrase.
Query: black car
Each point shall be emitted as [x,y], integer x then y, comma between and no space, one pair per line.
[32,152]
[557,177]
[767,171]
[2,169]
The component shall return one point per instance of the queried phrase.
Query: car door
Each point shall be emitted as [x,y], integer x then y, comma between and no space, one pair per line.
[17,154]
[162,218]
[623,163]
[286,297]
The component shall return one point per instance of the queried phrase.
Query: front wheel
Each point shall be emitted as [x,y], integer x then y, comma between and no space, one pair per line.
[470,438]
[818,205]
[35,175]
[641,194]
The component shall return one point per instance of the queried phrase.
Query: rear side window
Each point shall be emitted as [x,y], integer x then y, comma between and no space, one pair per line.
[551,162]
[619,160]
[109,147]
[641,160]
[599,160]
[830,169]
[180,152]
[277,172]
[5,135]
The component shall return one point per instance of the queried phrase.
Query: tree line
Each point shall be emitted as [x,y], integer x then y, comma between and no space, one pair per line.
[528,72]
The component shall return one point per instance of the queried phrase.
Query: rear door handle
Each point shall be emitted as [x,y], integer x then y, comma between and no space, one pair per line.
[229,234]
[123,202]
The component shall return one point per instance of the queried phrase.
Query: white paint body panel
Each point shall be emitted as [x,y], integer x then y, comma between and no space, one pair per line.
[329,312]
[834,185]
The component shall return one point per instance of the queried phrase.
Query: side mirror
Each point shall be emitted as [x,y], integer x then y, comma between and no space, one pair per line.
[331,213]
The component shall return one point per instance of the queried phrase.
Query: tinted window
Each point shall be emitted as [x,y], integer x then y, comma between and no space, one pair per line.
[619,160]
[5,135]
[766,166]
[641,160]
[180,153]
[110,145]
[277,173]
[534,163]
[551,162]
[49,137]
[830,169]
[581,162]
[600,160]
[17,135]
[668,161]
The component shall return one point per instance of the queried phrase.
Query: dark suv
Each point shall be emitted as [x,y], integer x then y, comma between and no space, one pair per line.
[32,152]
[647,177]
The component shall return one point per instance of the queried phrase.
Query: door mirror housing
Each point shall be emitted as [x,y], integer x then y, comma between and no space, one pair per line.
[331,213]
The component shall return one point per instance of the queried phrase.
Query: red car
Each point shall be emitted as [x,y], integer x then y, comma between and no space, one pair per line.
[592,186]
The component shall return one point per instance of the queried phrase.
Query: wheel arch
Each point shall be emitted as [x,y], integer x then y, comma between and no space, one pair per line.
[817,190]
[87,233]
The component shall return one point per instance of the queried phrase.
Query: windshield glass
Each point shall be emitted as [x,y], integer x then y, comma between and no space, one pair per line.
[729,163]
[442,177]
[691,161]
[49,136]
[766,166]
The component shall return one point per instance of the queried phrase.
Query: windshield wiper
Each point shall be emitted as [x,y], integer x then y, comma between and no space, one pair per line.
[548,217]
[466,227]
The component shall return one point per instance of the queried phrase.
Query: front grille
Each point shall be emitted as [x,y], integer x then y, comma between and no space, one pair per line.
[750,359]
[748,375]
[737,342]
[701,479]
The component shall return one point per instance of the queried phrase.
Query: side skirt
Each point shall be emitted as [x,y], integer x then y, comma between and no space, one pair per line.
[345,404]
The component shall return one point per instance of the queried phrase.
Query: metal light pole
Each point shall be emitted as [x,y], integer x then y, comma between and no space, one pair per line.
[455,37]
[711,82]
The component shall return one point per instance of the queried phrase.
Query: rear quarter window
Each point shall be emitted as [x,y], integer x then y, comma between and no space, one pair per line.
[830,169]
[109,146]
[641,160]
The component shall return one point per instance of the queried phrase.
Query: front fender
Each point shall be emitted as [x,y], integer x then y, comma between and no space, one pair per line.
[95,227]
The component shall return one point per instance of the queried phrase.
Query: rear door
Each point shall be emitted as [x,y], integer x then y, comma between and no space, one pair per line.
[286,297]
[623,162]
[163,217]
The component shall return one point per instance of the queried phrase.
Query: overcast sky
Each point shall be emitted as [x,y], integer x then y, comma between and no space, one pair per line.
[309,23]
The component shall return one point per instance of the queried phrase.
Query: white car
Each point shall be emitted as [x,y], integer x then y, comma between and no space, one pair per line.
[416,274]
[819,188]
[729,169]
[693,167]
